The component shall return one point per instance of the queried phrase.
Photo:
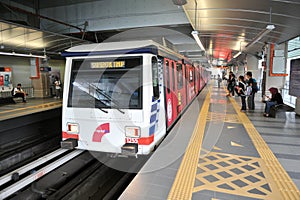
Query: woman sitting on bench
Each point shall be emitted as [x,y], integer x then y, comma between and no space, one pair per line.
[275,99]
[18,92]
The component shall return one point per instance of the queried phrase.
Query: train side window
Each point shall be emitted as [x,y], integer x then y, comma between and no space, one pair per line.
[173,75]
[167,76]
[155,81]
[179,76]
[191,74]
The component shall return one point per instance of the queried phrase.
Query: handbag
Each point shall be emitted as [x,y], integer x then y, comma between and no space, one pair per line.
[248,91]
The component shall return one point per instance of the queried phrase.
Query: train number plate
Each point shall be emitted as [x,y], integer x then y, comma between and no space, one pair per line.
[131,140]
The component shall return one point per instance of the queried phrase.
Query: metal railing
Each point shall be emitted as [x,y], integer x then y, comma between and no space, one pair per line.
[28,90]
[288,99]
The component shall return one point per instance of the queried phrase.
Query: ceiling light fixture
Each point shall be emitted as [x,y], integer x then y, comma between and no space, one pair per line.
[21,55]
[237,54]
[264,32]
[196,37]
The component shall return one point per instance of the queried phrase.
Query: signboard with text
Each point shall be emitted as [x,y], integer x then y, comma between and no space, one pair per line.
[295,78]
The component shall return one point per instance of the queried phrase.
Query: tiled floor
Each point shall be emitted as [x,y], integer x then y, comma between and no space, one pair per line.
[235,162]
[282,136]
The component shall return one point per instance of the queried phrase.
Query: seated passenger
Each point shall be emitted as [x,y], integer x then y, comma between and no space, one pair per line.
[18,92]
[275,99]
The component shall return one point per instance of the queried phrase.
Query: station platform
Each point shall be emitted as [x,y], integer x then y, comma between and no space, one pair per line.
[33,105]
[215,151]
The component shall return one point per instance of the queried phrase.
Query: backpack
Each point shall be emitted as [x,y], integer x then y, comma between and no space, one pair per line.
[12,91]
[254,86]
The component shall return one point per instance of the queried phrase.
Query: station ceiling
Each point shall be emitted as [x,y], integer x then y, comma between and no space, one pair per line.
[225,27]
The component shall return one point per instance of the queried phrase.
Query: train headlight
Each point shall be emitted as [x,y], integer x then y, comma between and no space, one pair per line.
[133,131]
[73,128]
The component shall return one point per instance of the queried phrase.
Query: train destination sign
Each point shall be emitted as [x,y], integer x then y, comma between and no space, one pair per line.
[114,64]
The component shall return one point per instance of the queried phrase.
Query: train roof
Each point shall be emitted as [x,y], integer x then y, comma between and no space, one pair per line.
[123,47]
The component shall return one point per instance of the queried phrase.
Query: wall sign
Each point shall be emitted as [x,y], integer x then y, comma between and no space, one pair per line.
[295,78]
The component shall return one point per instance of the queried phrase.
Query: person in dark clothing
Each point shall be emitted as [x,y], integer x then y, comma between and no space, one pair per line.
[18,92]
[240,89]
[231,84]
[275,99]
[250,99]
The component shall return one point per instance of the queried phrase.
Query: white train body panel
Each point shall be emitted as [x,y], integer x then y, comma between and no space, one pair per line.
[105,132]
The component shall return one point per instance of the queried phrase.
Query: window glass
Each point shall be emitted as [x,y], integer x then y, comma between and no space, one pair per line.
[179,76]
[106,83]
[173,75]
[155,81]
[167,68]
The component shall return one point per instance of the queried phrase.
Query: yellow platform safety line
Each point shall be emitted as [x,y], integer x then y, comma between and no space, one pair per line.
[286,186]
[183,185]
[51,104]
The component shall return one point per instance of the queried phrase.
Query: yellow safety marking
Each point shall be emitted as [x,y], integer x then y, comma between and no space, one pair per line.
[182,187]
[217,148]
[287,187]
[223,117]
[234,144]
[27,110]
[234,174]
[33,107]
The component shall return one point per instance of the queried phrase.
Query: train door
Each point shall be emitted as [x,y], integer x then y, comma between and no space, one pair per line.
[197,79]
[181,94]
[171,99]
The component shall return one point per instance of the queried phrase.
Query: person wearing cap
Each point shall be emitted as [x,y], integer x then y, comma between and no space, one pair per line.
[275,99]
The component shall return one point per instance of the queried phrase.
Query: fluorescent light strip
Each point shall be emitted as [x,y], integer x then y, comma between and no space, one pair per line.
[196,37]
[264,32]
[21,55]
[237,54]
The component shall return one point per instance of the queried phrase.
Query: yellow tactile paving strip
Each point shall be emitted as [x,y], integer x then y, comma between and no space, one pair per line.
[264,178]
[8,114]
[285,184]
[234,174]
[184,182]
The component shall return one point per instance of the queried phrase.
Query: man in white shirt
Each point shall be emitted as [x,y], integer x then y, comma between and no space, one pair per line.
[18,92]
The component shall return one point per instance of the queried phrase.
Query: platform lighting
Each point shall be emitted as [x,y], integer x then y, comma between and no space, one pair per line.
[237,54]
[264,32]
[196,37]
[22,55]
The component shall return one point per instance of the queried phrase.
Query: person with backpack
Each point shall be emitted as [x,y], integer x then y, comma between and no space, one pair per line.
[241,91]
[18,92]
[251,82]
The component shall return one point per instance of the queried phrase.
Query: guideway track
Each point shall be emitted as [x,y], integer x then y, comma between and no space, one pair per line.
[11,189]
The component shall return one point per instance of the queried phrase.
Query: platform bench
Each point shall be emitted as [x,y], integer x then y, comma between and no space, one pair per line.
[279,107]
[7,100]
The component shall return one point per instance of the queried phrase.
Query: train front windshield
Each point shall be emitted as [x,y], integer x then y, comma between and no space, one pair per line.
[106,83]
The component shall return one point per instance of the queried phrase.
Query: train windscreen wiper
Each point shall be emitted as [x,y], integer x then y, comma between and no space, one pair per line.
[100,91]
[86,90]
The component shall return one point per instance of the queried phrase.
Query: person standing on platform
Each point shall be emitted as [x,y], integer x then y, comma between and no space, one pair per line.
[241,91]
[253,87]
[219,80]
[18,92]
[231,84]
[57,84]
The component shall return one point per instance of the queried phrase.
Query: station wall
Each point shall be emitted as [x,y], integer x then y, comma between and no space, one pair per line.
[21,69]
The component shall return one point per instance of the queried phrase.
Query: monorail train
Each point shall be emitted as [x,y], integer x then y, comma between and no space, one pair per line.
[122,97]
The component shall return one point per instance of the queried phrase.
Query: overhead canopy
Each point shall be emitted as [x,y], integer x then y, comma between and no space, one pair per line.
[21,39]
[229,26]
